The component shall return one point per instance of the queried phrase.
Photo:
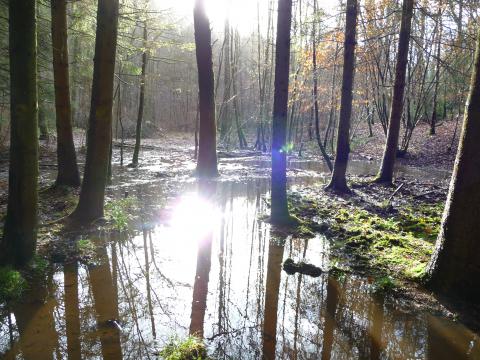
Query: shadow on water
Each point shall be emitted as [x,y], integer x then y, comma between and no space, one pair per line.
[208,266]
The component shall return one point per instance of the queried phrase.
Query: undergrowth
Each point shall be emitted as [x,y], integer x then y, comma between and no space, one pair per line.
[191,348]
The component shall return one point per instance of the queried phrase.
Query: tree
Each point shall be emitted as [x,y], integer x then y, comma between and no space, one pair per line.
[138,131]
[207,147]
[315,92]
[92,194]
[455,264]
[339,180]
[386,170]
[67,160]
[20,231]
[279,211]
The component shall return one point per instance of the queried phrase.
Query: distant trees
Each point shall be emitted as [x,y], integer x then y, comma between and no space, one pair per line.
[67,160]
[455,265]
[396,110]
[339,180]
[207,147]
[279,204]
[20,231]
[92,194]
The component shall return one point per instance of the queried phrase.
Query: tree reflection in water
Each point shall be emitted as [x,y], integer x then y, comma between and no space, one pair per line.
[218,276]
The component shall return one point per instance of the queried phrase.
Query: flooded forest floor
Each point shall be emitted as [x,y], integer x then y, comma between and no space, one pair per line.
[175,256]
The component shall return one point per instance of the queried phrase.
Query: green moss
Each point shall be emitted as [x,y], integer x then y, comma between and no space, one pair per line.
[399,242]
[191,348]
[12,285]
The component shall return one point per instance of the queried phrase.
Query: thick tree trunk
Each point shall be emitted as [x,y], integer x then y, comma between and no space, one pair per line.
[138,131]
[339,180]
[207,147]
[455,265]
[92,194]
[20,232]
[389,156]
[67,160]
[279,211]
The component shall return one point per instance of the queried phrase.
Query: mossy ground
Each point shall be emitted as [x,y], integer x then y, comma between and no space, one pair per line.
[371,235]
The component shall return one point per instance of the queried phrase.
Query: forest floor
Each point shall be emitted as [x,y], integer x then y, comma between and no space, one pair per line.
[384,233]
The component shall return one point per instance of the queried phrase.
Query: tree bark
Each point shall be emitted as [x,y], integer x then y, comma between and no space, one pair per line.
[20,231]
[138,131]
[455,265]
[279,210]
[207,147]
[92,194]
[67,160]
[339,181]
[389,156]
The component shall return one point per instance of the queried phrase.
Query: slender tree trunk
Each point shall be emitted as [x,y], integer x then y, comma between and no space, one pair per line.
[339,180]
[92,194]
[66,157]
[389,156]
[42,123]
[433,120]
[226,113]
[207,147]
[138,131]
[315,93]
[279,210]
[20,231]
[455,265]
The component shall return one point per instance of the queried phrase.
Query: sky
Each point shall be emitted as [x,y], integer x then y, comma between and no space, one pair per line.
[243,13]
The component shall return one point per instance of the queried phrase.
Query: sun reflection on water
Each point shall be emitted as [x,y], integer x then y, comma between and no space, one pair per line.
[193,218]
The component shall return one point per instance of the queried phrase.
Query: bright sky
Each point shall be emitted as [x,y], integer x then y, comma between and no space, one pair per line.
[243,13]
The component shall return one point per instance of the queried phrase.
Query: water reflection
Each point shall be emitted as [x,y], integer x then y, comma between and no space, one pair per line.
[204,260]
[218,274]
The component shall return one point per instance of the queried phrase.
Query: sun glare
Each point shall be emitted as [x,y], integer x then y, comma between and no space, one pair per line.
[242,14]
[193,218]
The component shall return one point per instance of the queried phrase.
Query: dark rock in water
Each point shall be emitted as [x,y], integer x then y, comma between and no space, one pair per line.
[290,267]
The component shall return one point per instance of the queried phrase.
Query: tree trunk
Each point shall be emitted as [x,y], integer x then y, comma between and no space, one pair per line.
[386,171]
[67,160]
[315,93]
[455,265]
[42,123]
[138,131]
[92,194]
[339,180]
[207,147]
[279,211]
[433,120]
[20,231]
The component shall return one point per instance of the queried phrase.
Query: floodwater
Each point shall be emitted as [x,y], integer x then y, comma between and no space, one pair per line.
[206,264]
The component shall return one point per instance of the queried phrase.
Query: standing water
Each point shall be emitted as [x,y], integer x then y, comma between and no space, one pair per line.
[208,265]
